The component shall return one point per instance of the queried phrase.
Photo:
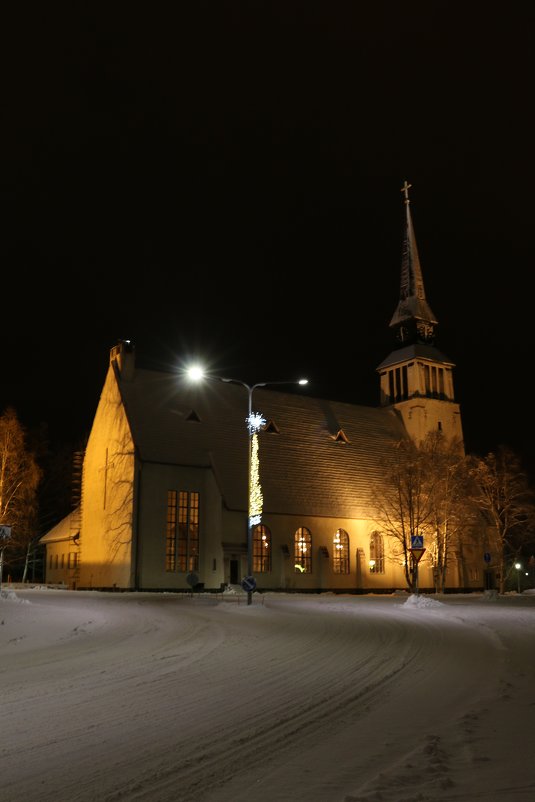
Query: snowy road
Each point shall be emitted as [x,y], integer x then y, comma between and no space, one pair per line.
[162,698]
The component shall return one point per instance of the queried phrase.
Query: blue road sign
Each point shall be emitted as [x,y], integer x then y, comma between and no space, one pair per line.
[417,541]
[248,583]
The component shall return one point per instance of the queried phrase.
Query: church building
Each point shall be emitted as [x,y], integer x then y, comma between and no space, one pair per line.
[171,467]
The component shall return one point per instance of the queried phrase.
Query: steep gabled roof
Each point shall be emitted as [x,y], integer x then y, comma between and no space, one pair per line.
[304,470]
[65,530]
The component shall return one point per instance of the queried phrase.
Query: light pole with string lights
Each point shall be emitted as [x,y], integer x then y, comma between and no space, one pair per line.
[254,422]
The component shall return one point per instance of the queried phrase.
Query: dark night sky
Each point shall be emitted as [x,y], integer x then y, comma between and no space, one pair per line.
[221,180]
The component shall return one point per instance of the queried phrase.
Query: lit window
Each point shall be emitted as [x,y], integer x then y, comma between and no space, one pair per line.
[377,553]
[341,552]
[170,539]
[182,531]
[303,551]
[188,531]
[261,549]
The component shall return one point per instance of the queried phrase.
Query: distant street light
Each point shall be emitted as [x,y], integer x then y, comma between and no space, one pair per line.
[518,567]
[254,422]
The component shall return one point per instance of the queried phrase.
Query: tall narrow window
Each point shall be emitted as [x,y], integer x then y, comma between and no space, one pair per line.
[397,374]
[441,386]
[303,551]
[188,531]
[341,552]
[261,549]
[404,383]
[377,553]
[170,536]
[182,531]
[427,380]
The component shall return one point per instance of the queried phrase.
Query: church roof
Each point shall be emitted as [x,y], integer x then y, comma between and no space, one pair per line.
[63,531]
[415,351]
[317,457]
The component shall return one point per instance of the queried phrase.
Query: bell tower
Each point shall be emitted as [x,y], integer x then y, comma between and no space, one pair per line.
[416,378]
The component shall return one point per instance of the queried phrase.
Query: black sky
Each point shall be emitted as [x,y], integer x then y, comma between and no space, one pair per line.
[221,180]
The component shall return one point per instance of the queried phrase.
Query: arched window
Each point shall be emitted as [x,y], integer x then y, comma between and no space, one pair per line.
[377,553]
[303,551]
[341,552]
[261,549]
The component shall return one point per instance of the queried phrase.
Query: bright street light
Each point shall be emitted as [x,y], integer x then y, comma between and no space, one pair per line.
[518,566]
[254,422]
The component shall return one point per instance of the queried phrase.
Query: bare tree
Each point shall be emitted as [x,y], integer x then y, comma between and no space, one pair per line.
[403,504]
[450,512]
[425,494]
[19,480]
[501,489]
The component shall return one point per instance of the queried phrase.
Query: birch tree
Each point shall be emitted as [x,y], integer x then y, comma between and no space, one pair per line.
[403,505]
[450,514]
[19,481]
[501,490]
[424,494]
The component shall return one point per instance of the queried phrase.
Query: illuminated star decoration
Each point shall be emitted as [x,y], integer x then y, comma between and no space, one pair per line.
[255,421]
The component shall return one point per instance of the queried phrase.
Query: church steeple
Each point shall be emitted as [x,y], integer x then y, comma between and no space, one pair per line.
[416,378]
[413,320]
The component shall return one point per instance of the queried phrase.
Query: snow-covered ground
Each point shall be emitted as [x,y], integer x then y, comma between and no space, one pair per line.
[295,698]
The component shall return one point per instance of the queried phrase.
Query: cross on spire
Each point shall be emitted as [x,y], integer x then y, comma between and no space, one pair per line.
[405,189]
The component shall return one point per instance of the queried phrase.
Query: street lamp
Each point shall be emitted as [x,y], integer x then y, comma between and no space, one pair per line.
[518,566]
[254,422]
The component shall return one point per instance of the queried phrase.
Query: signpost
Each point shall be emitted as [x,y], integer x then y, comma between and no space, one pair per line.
[249,584]
[417,551]
[417,554]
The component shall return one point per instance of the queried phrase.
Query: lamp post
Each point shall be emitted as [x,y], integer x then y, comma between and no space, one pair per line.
[518,566]
[254,422]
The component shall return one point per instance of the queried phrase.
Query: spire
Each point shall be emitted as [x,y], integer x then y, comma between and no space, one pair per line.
[413,318]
